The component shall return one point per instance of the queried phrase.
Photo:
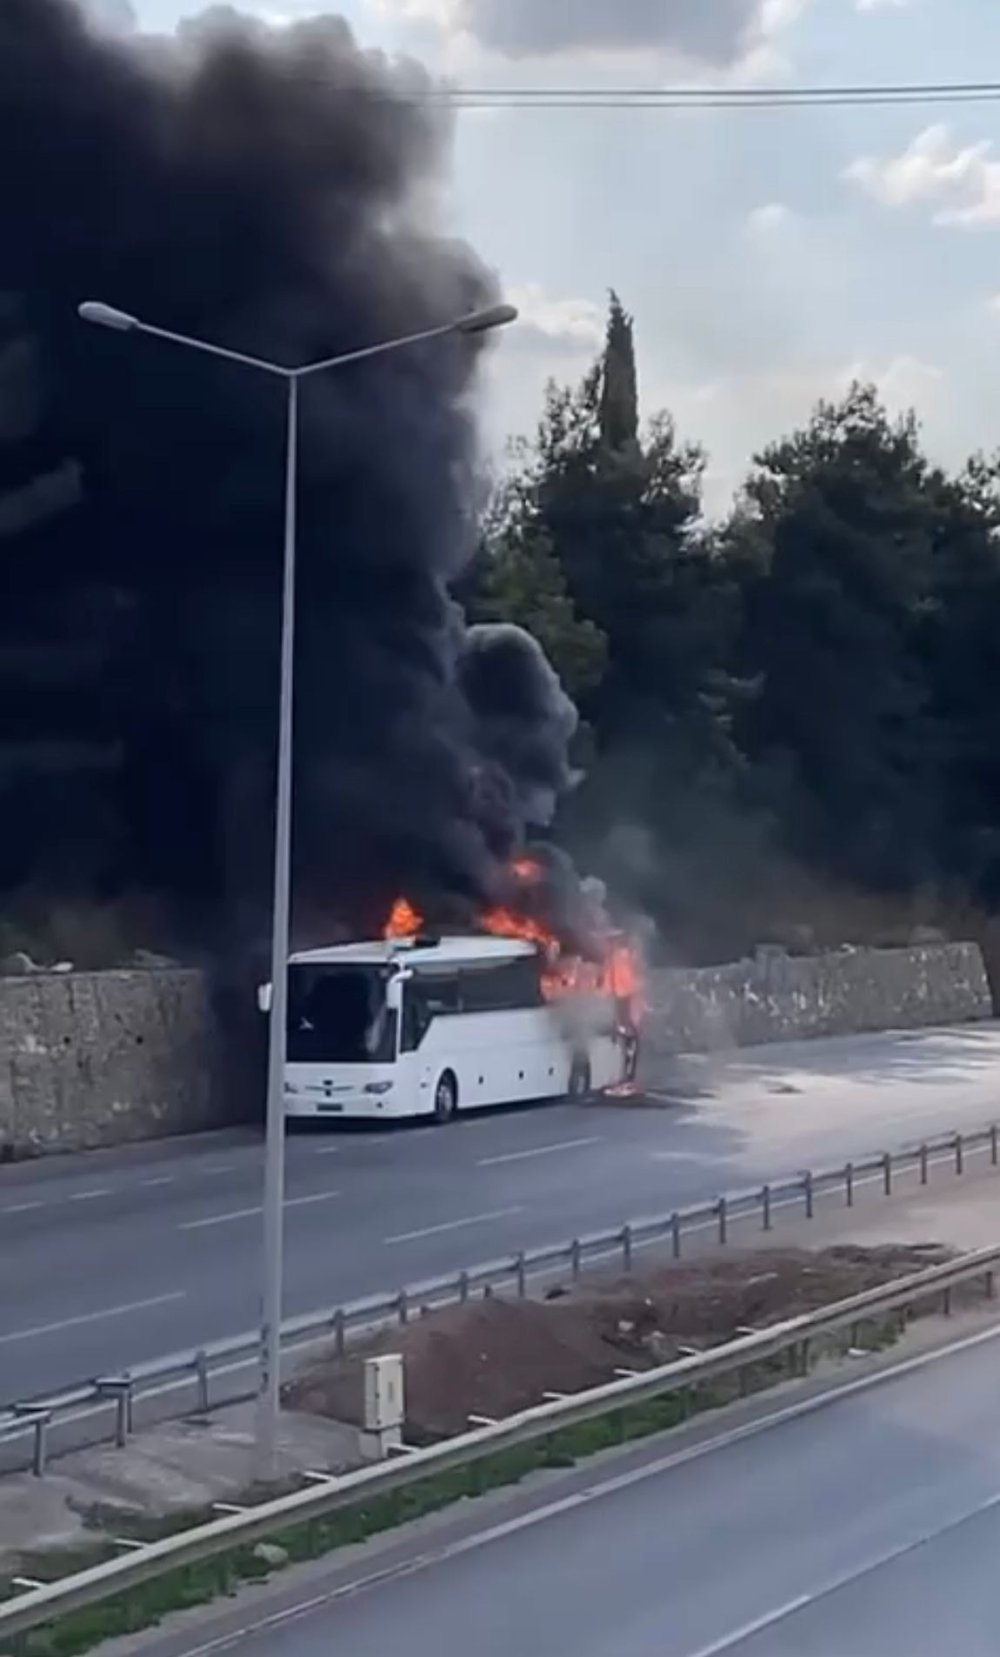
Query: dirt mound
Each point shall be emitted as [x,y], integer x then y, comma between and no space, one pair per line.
[493,1357]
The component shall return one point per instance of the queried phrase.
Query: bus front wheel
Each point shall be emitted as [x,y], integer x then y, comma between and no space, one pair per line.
[445,1098]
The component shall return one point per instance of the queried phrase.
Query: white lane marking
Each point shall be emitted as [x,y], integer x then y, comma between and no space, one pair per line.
[161,1179]
[21,1207]
[802,1602]
[680,1156]
[91,1317]
[451,1225]
[248,1213]
[326,1150]
[220,1219]
[539,1150]
[89,1196]
[607,1487]
[218,1168]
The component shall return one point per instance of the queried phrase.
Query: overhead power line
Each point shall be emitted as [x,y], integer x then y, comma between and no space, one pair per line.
[646,97]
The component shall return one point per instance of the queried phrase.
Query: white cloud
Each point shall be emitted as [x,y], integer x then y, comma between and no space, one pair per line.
[735,415]
[880,5]
[563,325]
[770,217]
[936,168]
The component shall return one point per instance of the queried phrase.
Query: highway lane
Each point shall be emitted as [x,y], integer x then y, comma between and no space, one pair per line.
[865,1527]
[116,1257]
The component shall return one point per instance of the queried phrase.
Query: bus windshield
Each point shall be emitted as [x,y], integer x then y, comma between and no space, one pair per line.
[338,1015]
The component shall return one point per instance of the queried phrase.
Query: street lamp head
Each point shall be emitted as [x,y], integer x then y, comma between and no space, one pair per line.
[106,316]
[481,322]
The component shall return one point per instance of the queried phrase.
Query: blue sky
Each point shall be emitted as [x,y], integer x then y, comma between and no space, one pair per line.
[768,256]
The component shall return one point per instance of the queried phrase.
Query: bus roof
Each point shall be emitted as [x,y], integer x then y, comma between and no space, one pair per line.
[417,951]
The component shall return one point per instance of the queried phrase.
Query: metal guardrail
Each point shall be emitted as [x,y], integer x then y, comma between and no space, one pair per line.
[43,1604]
[198,1367]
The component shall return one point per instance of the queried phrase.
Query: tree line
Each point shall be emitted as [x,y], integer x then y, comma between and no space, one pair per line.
[792,716]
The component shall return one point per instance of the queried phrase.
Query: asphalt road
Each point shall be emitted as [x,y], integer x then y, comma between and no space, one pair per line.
[113,1258]
[868,1527]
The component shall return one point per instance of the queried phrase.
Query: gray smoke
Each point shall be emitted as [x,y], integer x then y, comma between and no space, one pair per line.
[273,191]
[524,721]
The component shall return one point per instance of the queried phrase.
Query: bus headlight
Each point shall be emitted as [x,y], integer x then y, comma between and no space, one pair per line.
[378,1087]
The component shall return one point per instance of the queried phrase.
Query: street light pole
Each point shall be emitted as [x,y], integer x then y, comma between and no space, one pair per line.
[269,1392]
[476,322]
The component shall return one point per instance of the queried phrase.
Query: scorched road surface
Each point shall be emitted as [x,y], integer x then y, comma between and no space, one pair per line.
[866,1528]
[117,1257]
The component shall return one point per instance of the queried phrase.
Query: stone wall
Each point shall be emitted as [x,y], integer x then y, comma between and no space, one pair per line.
[89,1059]
[777,997]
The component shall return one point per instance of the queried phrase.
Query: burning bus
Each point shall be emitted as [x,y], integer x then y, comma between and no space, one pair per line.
[428,1021]
[417,1025]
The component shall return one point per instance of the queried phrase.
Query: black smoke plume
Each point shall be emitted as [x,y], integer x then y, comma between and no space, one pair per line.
[274,191]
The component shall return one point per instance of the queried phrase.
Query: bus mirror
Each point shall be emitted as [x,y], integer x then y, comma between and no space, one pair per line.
[394,988]
[264,998]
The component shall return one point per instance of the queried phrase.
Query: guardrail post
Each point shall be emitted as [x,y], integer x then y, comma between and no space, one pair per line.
[463,1286]
[807,1188]
[991,1287]
[627,1248]
[924,1163]
[994,1145]
[403,1306]
[723,1212]
[887,1173]
[959,1153]
[765,1207]
[339,1331]
[946,1303]
[118,1387]
[521,1268]
[575,1256]
[40,1448]
[675,1234]
[849,1184]
[201,1375]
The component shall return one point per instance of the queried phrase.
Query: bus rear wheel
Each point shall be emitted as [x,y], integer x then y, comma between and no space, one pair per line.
[579,1080]
[445,1098]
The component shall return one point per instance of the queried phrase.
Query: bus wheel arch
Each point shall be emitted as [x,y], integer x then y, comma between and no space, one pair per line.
[446,1097]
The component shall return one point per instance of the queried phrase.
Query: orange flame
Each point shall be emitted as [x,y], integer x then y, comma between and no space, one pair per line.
[617,975]
[404,920]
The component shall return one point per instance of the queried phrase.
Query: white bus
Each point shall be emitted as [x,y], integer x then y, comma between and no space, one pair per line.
[430,1027]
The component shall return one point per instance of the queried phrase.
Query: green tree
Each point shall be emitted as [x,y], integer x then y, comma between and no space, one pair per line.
[518,578]
[615,509]
[869,624]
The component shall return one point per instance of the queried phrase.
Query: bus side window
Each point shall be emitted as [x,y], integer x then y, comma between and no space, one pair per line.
[508,987]
[424,999]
